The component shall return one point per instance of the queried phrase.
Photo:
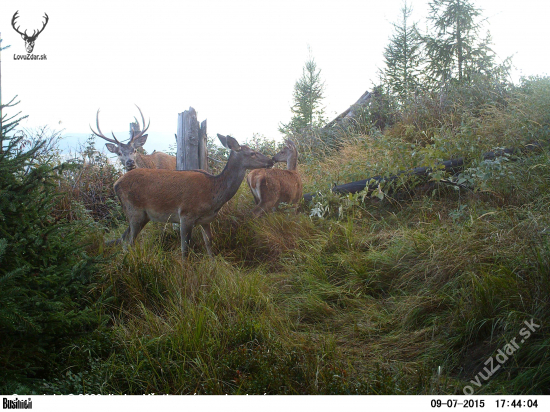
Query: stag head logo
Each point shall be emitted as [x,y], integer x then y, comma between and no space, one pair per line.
[29,40]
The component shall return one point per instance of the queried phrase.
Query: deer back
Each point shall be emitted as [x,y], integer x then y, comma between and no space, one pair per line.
[161,192]
[273,186]
[157,160]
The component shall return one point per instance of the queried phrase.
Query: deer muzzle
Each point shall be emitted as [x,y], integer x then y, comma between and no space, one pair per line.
[130,165]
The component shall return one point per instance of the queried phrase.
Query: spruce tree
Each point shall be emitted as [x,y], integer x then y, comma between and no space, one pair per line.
[44,274]
[307,109]
[402,57]
[455,49]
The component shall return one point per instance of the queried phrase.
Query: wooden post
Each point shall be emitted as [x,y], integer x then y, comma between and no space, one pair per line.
[191,140]
[203,149]
[134,129]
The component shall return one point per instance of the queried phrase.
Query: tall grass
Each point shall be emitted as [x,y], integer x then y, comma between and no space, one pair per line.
[378,297]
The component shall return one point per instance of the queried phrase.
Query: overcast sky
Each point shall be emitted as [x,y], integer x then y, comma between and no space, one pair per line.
[235,62]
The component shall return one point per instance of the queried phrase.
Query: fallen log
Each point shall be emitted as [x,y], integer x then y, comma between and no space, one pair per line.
[351,111]
[453,166]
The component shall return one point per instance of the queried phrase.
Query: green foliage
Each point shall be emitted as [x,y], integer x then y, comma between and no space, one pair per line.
[44,273]
[450,62]
[407,289]
[403,57]
[454,48]
[307,109]
[269,147]
[86,189]
[308,93]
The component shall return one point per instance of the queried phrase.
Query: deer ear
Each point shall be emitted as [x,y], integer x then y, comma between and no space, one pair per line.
[290,143]
[233,144]
[229,142]
[113,148]
[223,140]
[140,141]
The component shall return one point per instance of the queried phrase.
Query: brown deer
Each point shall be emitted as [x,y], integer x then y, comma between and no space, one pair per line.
[190,197]
[129,156]
[271,187]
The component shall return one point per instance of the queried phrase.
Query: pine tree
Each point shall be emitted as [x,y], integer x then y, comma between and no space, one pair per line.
[455,49]
[402,57]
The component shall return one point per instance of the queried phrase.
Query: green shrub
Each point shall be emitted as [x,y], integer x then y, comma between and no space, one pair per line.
[45,275]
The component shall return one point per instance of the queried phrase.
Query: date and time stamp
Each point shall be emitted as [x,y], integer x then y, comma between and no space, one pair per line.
[503,403]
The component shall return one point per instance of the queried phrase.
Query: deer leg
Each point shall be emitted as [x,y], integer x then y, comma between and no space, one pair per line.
[185,234]
[258,211]
[260,208]
[129,236]
[124,237]
[113,242]
[136,224]
[264,207]
[207,236]
[253,191]
[119,240]
[188,237]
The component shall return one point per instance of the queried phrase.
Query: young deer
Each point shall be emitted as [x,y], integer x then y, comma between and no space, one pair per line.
[190,197]
[129,156]
[271,187]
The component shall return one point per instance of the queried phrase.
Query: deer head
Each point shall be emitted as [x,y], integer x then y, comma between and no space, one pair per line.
[288,154]
[29,40]
[126,152]
[271,187]
[244,155]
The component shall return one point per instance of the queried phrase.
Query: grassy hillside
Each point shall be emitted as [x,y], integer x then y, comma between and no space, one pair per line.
[407,290]
[409,297]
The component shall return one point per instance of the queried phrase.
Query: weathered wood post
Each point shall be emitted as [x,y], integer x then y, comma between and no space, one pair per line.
[203,149]
[191,141]
[134,129]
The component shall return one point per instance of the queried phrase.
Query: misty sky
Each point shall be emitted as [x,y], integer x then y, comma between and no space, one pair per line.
[235,62]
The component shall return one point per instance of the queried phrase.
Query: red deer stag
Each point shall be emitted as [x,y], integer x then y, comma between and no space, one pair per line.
[271,187]
[190,197]
[129,156]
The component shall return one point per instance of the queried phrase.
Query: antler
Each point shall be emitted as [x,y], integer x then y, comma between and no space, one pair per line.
[143,121]
[35,34]
[15,16]
[100,134]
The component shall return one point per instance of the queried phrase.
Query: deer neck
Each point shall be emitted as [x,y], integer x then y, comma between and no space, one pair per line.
[292,161]
[142,161]
[228,181]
